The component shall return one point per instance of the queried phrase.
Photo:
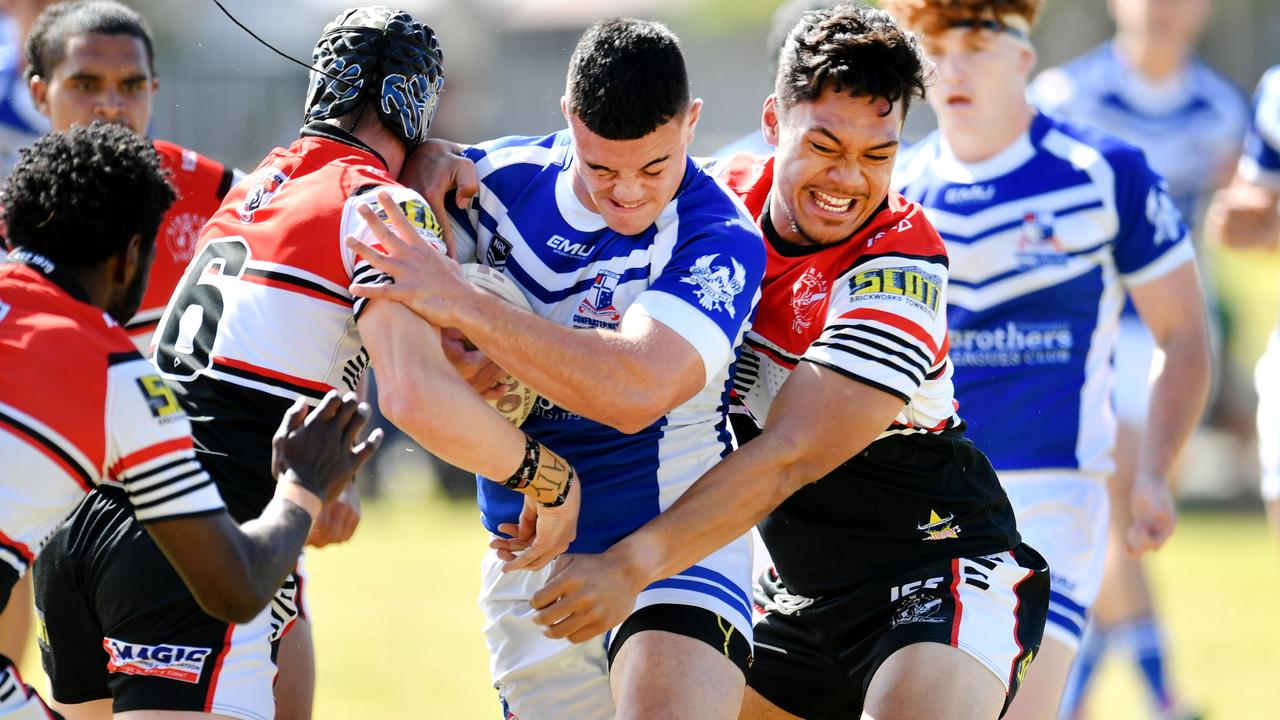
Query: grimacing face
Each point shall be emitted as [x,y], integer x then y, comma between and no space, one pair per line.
[629,182]
[102,78]
[833,164]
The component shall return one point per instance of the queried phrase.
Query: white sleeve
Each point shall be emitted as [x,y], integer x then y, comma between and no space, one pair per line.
[411,204]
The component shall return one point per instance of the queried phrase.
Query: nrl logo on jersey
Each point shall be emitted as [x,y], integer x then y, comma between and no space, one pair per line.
[807,295]
[264,188]
[716,288]
[1037,244]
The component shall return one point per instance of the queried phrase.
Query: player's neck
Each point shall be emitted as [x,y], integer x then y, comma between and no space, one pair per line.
[389,148]
[973,142]
[1155,61]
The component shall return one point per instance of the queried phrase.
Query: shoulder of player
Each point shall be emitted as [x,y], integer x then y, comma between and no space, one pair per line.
[539,150]
[704,207]
[901,229]
[1269,84]
[1061,84]
[177,158]
[1122,157]
[55,324]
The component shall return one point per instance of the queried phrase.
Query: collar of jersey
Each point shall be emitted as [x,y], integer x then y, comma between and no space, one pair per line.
[50,270]
[321,129]
[950,168]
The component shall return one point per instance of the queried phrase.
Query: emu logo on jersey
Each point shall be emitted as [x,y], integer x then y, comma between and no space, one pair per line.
[807,295]
[596,310]
[264,188]
[899,283]
[918,608]
[413,100]
[939,528]
[174,662]
[1163,216]
[716,289]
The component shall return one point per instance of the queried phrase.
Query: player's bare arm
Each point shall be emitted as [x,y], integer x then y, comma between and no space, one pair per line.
[819,420]
[435,168]
[1244,215]
[1173,308]
[423,396]
[233,571]
[640,372]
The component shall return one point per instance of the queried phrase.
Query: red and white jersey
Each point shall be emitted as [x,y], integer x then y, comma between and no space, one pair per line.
[872,308]
[80,407]
[201,184]
[264,304]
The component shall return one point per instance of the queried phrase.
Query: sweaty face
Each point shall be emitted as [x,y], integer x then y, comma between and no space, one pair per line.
[981,75]
[832,166]
[102,78]
[629,182]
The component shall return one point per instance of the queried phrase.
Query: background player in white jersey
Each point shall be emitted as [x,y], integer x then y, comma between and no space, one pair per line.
[644,275]
[231,345]
[1147,87]
[1247,215]
[880,599]
[80,409]
[1048,225]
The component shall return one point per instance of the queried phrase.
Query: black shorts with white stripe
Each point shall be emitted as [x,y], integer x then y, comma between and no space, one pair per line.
[815,657]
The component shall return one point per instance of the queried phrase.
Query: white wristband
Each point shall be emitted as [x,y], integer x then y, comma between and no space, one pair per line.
[295,493]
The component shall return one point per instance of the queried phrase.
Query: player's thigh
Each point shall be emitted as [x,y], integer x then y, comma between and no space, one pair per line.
[169,715]
[659,675]
[927,680]
[1041,690]
[756,707]
[15,621]
[92,710]
[296,680]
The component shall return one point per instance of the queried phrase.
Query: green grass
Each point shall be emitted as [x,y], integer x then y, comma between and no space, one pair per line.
[398,633]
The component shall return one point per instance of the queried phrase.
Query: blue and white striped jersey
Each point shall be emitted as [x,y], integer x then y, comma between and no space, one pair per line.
[1043,238]
[697,270]
[1189,126]
[1260,162]
[20,122]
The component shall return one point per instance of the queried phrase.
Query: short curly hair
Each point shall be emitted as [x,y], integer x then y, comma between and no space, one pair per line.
[850,48]
[933,16]
[627,77]
[79,197]
[47,43]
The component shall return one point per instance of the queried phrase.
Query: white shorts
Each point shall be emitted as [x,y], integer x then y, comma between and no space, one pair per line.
[1135,351]
[1064,516]
[1266,378]
[538,678]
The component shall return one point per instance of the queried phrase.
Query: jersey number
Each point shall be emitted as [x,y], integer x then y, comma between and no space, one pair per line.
[192,320]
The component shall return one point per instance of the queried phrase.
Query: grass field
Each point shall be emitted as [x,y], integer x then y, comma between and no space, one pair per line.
[398,632]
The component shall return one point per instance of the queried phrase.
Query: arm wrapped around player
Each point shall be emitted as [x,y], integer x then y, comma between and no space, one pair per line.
[549,520]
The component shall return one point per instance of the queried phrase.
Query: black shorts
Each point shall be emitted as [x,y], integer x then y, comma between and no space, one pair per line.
[690,621]
[116,620]
[815,657]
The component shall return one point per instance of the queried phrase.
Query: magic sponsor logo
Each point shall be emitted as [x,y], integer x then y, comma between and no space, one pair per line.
[1013,344]
[899,284]
[173,662]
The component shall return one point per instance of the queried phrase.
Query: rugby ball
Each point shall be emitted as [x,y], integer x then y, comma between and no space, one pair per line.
[516,404]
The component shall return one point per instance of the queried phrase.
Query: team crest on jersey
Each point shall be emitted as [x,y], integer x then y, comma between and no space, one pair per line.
[181,234]
[172,662]
[597,310]
[939,528]
[264,188]
[498,252]
[716,287]
[807,296]
[919,608]
[1163,216]
[1037,243]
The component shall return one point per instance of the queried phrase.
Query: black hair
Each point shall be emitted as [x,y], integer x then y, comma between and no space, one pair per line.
[79,197]
[850,48]
[47,44]
[626,78]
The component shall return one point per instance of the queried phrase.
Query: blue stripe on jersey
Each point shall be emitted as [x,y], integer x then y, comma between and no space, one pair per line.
[703,251]
[1034,292]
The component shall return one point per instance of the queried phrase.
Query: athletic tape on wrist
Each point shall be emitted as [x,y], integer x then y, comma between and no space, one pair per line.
[528,469]
[295,493]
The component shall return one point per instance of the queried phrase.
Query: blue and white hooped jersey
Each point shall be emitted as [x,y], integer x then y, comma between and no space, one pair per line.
[1189,126]
[20,123]
[697,270]
[1043,238]
[1260,161]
